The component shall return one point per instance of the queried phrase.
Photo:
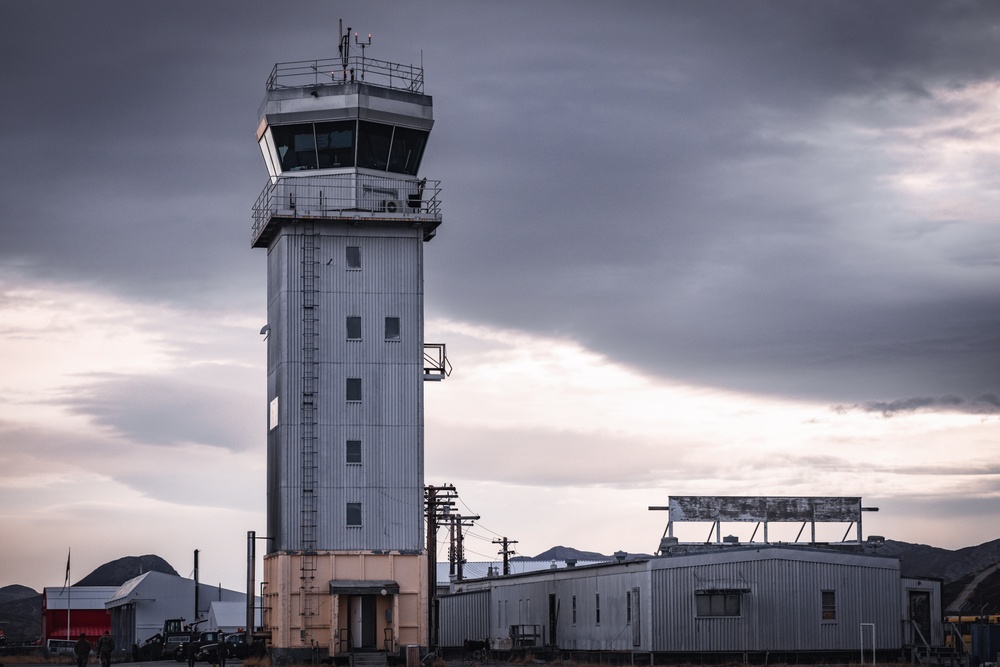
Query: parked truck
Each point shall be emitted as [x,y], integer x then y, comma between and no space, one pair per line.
[165,644]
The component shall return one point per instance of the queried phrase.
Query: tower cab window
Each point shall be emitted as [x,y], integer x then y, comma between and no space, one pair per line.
[348,143]
[374,142]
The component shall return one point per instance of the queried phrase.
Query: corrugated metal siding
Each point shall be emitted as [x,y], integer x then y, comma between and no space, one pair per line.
[464,616]
[525,601]
[388,419]
[782,610]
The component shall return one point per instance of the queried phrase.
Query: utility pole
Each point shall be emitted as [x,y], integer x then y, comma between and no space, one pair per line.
[458,543]
[438,502]
[505,552]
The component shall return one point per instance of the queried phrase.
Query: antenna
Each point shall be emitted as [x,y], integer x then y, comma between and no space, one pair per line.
[344,47]
[363,46]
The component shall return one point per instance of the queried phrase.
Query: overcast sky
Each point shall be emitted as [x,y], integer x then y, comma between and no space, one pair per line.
[720,248]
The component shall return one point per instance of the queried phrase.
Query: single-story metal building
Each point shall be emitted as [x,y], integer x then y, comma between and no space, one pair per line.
[769,599]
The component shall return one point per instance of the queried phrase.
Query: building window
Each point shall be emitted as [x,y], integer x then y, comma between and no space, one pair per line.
[354,389]
[353,257]
[353,328]
[597,607]
[717,604]
[354,452]
[354,515]
[628,606]
[829,602]
[574,610]
[392,328]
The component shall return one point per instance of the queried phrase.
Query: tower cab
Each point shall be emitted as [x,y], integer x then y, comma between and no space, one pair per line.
[343,139]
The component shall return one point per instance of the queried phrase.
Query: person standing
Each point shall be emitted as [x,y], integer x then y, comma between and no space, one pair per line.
[222,650]
[82,650]
[192,651]
[105,647]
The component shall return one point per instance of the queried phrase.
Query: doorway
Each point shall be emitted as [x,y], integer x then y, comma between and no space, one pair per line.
[363,630]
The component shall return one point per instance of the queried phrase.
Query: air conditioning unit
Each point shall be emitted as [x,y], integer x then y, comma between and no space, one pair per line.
[392,206]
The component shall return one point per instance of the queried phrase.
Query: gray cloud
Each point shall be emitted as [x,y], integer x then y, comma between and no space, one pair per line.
[199,407]
[982,404]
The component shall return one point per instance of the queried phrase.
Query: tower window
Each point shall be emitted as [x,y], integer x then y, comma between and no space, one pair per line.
[354,515]
[353,257]
[335,144]
[354,328]
[597,607]
[354,452]
[392,328]
[354,389]
[374,140]
[407,149]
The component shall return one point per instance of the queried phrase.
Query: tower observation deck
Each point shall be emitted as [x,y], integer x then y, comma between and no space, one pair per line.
[342,140]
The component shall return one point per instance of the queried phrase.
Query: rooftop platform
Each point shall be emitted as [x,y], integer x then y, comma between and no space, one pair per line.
[304,73]
[351,198]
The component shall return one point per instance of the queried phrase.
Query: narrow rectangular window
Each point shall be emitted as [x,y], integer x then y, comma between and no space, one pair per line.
[354,451]
[392,328]
[829,602]
[353,389]
[353,328]
[354,514]
[628,606]
[353,257]
[597,607]
[574,610]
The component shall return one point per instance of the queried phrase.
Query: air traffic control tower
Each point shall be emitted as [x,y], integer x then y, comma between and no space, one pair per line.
[344,219]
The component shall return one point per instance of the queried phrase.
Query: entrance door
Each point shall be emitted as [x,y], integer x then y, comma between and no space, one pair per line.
[553,618]
[920,615]
[363,630]
[636,618]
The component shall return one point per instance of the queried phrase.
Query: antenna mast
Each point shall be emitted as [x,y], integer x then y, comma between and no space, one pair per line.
[363,46]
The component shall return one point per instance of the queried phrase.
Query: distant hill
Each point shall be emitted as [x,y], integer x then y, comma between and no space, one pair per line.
[117,572]
[563,553]
[16,592]
[20,613]
[920,560]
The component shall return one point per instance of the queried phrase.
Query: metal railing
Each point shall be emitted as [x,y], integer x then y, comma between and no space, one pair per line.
[339,71]
[436,364]
[352,196]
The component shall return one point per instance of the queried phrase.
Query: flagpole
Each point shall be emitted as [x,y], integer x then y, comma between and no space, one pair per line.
[69,595]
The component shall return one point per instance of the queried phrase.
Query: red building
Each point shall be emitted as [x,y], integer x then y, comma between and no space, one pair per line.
[67,612]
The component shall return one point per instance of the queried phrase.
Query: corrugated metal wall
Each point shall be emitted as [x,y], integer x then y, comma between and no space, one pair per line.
[537,599]
[651,605]
[388,420]
[782,610]
[468,618]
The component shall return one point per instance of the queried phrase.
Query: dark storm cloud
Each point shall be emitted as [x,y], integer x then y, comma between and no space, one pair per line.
[674,212]
[660,181]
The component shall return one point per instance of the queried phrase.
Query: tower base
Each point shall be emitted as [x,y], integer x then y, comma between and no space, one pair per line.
[321,604]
